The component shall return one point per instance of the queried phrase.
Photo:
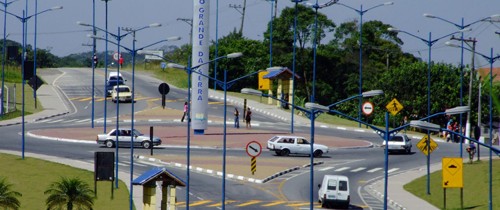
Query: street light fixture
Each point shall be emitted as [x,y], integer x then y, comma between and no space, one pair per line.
[361,12]
[24,19]
[491,59]
[312,110]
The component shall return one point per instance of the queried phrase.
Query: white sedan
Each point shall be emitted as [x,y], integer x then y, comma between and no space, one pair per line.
[285,145]
[399,143]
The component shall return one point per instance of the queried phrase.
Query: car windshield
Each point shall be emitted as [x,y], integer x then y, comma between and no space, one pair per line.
[115,78]
[137,133]
[123,89]
[397,139]
[115,82]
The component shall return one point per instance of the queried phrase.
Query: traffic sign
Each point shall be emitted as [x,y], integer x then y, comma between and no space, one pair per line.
[394,106]
[367,108]
[253,149]
[427,149]
[116,57]
[452,172]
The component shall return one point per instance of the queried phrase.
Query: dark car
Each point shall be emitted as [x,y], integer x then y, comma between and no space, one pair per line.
[111,83]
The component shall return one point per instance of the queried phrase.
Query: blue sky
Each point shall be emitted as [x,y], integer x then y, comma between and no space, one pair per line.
[58,31]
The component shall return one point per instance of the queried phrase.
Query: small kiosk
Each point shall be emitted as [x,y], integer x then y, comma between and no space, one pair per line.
[285,84]
[148,181]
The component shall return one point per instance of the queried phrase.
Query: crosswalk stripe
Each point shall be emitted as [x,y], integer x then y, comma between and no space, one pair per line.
[72,120]
[358,169]
[392,170]
[84,120]
[373,170]
[342,169]
[325,169]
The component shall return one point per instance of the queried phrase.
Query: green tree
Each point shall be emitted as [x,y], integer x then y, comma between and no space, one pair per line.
[8,197]
[69,193]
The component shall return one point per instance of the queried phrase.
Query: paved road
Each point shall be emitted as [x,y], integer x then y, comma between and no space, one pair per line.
[51,97]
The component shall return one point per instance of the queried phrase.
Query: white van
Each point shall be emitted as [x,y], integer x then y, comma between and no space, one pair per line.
[334,191]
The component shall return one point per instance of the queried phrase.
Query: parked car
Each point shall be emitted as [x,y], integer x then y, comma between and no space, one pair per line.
[285,145]
[399,143]
[121,93]
[334,191]
[110,84]
[124,137]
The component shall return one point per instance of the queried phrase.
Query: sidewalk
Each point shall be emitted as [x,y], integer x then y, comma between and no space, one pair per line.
[55,103]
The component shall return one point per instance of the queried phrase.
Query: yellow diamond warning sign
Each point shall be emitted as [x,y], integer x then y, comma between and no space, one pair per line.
[427,148]
[452,172]
[394,107]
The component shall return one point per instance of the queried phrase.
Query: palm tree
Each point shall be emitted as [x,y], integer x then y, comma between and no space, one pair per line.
[8,198]
[69,193]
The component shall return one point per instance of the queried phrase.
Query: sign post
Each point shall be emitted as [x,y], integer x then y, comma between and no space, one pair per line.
[453,177]
[253,149]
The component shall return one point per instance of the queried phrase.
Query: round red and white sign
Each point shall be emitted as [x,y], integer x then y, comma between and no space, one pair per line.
[367,108]
[253,149]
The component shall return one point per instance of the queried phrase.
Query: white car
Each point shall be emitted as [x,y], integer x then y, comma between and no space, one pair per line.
[124,138]
[121,93]
[285,145]
[399,143]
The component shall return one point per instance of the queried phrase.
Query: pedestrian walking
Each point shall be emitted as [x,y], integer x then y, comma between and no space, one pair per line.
[236,118]
[185,111]
[248,118]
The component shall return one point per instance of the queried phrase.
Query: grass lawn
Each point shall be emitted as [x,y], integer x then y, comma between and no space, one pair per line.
[31,177]
[476,187]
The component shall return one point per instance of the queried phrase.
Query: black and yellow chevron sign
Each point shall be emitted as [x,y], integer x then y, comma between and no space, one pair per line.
[253,165]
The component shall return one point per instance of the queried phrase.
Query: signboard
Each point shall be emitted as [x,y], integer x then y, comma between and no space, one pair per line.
[253,149]
[422,145]
[115,56]
[367,108]
[394,107]
[153,54]
[452,172]
[264,84]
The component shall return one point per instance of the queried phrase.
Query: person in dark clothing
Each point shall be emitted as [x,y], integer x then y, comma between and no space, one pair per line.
[248,118]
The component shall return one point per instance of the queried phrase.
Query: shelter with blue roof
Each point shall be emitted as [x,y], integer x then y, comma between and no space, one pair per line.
[284,78]
[169,182]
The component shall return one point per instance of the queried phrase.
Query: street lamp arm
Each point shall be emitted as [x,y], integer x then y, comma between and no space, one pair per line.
[248,75]
[131,30]
[356,10]
[165,40]
[442,19]
[407,33]
[18,17]
[5,4]
[456,32]
[109,41]
[44,11]
[342,101]
[490,60]
[383,4]
[231,55]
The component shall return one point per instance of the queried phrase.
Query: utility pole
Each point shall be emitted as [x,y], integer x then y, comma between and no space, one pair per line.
[242,12]
[472,69]
[190,23]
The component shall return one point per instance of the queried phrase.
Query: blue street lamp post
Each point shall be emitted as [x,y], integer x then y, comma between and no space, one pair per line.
[133,52]
[490,59]
[224,85]
[5,4]
[429,42]
[24,19]
[361,12]
[461,27]
[313,111]
[105,63]
[271,34]
[315,42]
[387,133]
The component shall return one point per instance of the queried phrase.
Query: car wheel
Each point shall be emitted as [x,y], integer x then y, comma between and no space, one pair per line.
[109,144]
[318,153]
[408,150]
[278,153]
[285,152]
[146,144]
